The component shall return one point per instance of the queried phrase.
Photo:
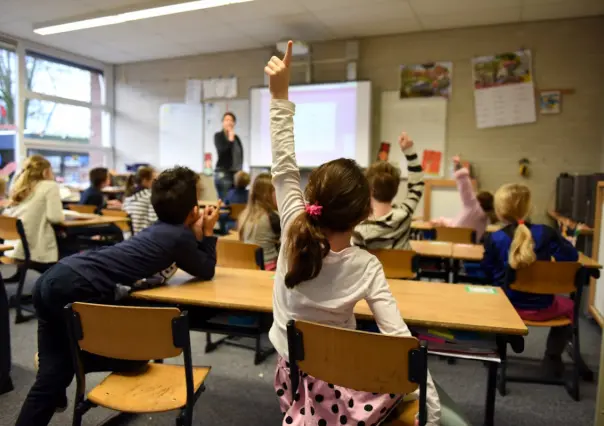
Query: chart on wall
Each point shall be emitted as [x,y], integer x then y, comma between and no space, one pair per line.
[181,136]
[425,120]
[213,112]
[504,93]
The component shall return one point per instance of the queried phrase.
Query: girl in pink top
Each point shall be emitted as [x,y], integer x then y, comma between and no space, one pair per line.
[477,209]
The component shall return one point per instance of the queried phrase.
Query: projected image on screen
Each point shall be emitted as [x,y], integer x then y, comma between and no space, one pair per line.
[331,121]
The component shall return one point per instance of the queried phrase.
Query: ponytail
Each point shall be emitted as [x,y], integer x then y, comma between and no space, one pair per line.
[130,186]
[306,247]
[522,249]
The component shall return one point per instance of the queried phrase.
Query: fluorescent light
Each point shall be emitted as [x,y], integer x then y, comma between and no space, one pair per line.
[134,16]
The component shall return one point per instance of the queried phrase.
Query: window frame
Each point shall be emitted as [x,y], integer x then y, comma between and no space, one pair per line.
[25,48]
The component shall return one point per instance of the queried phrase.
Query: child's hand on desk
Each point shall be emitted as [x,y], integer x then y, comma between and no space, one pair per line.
[114,204]
[211,214]
[405,141]
[278,72]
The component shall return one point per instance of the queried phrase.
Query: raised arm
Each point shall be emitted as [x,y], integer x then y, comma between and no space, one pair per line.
[464,184]
[415,180]
[286,175]
[390,322]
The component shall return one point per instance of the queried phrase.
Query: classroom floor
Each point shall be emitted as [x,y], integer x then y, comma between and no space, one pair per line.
[240,393]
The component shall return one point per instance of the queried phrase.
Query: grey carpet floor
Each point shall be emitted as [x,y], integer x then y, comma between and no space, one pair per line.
[241,394]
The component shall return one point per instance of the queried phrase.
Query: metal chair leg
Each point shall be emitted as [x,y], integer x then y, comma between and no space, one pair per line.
[20,318]
[576,373]
[502,383]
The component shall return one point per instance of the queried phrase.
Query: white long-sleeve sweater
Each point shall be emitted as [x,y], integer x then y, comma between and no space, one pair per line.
[346,277]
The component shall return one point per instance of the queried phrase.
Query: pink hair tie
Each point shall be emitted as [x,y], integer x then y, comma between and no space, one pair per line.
[521,222]
[314,210]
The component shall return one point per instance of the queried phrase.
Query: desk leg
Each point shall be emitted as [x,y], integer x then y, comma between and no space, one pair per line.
[489,415]
[456,267]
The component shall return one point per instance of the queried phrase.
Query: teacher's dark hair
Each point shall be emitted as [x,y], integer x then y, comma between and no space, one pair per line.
[228,113]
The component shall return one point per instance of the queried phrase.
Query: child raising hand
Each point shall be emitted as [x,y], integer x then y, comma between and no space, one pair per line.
[320,277]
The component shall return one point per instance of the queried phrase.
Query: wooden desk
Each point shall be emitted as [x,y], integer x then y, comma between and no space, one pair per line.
[231,236]
[565,222]
[432,248]
[421,225]
[474,253]
[92,221]
[423,304]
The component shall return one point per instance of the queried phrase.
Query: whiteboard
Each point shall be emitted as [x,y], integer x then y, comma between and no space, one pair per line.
[213,112]
[599,288]
[444,202]
[424,119]
[181,136]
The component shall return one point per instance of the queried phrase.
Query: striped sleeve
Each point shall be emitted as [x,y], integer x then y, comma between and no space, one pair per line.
[415,182]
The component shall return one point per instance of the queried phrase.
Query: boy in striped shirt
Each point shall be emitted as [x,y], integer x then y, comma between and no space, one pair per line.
[389,226]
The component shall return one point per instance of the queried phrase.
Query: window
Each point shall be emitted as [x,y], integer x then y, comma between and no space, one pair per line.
[8,88]
[51,115]
[68,166]
[56,78]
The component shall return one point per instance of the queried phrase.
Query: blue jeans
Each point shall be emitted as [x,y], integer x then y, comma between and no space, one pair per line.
[224,180]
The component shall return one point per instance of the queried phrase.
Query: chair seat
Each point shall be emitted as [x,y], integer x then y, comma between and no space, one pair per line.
[160,387]
[404,414]
[556,322]
[5,260]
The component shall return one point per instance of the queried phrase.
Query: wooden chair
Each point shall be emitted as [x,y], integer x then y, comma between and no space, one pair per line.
[398,264]
[455,235]
[82,208]
[238,255]
[126,225]
[236,210]
[545,277]
[369,362]
[12,229]
[136,334]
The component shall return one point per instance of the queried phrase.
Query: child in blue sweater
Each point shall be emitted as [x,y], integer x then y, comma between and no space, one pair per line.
[182,235]
[518,245]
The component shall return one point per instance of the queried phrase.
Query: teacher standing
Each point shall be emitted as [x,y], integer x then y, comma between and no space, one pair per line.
[230,155]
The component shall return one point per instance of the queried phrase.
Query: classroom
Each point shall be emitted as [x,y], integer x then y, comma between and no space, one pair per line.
[301,212]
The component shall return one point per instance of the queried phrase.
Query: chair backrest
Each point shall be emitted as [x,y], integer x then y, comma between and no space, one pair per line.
[369,362]
[11,228]
[235,254]
[82,208]
[125,332]
[125,226]
[545,277]
[456,235]
[398,264]
[236,210]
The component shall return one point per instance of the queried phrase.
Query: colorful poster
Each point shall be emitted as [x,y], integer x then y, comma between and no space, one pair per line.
[431,162]
[426,80]
[504,93]
[384,151]
[550,102]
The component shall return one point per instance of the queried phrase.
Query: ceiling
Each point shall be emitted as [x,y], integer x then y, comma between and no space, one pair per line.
[263,22]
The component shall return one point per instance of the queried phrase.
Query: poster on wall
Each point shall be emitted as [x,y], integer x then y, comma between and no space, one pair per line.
[550,102]
[426,80]
[431,162]
[504,92]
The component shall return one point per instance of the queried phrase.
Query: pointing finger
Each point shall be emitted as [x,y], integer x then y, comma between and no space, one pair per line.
[288,54]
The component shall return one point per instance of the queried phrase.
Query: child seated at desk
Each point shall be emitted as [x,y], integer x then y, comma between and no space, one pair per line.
[259,222]
[36,201]
[183,234]
[99,179]
[518,245]
[239,194]
[389,226]
[137,201]
[320,277]
[477,210]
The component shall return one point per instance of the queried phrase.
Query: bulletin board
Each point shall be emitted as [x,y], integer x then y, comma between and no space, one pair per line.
[213,112]
[596,289]
[424,119]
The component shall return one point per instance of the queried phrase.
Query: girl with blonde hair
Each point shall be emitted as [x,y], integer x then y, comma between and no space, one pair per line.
[259,222]
[518,245]
[35,200]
